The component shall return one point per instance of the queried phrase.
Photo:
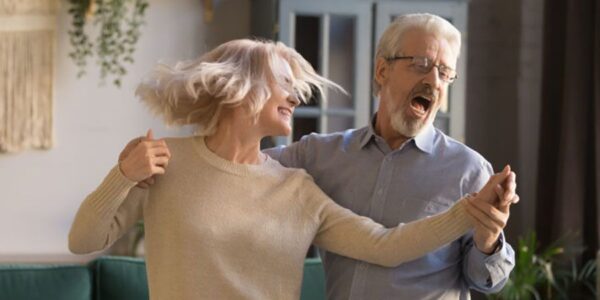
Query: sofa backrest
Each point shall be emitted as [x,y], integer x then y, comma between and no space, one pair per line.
[108,278]
[43,282]
[119,278]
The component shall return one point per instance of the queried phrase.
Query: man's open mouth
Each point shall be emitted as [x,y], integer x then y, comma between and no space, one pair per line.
[421,104]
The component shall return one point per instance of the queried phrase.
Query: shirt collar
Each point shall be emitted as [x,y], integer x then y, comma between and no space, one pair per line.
[423,140]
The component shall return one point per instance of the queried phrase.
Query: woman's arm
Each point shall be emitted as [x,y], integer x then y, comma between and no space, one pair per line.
[106,214]
[343,232]
[116,205]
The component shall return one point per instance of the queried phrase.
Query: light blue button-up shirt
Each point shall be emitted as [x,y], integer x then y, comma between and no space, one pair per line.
[358,170]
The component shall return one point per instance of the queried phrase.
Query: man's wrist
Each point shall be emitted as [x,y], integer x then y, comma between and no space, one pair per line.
[495,248]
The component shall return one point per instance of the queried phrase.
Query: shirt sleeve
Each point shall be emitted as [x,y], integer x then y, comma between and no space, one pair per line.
[343,232]
[485,273]
[294,155]
[106,214]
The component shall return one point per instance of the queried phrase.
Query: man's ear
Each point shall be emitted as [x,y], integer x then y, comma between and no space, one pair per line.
[382,70]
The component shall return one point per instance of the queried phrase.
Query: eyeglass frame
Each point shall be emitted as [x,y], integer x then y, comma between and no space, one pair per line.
[450,80]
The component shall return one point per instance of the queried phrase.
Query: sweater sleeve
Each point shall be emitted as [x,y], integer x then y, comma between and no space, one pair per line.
[106,214]
[343,232]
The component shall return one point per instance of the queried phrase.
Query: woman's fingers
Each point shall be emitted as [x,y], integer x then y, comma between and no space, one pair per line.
[487,214]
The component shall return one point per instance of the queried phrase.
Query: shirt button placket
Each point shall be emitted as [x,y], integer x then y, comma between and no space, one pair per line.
[361,272]
[382,184]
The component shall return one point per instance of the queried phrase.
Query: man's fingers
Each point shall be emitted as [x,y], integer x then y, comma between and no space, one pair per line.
[162,161]
[146,183]
[157,169]
[505,206]
[150,180]
[143,185]
[499,191]
[500,177]
[130,146]
[479,218]
[154,143]
[160,151]
[515,199]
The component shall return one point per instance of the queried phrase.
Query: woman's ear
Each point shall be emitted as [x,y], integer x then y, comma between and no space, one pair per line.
[382,69]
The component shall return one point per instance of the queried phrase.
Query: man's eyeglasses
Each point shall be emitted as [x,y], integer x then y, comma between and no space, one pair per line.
[424,65]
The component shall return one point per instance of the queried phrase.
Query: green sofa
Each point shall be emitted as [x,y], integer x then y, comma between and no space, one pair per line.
[107,278]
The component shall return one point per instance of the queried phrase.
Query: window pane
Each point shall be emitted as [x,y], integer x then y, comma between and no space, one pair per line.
[341,59]
[303,126]
[307,43]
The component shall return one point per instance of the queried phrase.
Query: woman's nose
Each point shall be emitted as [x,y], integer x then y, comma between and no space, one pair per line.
[293,99]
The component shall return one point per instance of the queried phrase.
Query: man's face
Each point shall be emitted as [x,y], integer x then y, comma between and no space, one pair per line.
[410,100]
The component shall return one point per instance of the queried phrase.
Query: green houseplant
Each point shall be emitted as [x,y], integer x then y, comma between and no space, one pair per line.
[549,273]
[117,26]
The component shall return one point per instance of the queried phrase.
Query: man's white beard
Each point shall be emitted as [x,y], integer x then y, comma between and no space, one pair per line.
[407,128]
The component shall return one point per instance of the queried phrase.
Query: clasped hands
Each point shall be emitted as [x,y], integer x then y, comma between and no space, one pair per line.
[489,209]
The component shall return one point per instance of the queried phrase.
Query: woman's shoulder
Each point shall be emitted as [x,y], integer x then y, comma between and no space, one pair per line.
[179,142]
[294,176]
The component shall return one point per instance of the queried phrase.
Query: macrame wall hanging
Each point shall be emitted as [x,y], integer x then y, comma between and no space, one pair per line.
[27,42]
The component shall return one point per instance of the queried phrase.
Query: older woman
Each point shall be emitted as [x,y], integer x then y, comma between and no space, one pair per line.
[223,220]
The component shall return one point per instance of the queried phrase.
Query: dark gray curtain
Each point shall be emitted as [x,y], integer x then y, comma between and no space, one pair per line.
[569,165]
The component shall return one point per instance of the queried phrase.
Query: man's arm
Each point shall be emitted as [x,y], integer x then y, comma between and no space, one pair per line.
[291,156]
[488,258]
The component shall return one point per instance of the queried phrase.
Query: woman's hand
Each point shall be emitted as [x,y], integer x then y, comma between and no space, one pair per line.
[144,157]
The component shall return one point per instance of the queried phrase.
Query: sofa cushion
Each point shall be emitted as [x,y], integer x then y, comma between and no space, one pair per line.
[37,282]
[120,278]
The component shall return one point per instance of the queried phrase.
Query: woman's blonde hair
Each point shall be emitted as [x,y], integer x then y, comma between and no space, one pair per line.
[239,72]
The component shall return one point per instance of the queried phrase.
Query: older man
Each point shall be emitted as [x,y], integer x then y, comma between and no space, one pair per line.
[401,168]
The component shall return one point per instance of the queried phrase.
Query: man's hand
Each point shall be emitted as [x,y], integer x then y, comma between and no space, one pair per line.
[490,209]
[144,157]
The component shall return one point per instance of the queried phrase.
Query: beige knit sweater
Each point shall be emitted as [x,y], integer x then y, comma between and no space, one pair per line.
[220,230]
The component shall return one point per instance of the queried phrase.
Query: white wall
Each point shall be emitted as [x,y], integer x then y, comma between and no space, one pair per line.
[41,190]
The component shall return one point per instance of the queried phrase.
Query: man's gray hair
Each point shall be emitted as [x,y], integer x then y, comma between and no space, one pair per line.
[391,40]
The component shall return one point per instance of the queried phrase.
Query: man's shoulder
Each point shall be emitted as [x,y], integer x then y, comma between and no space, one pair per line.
[346,137]
[454,149]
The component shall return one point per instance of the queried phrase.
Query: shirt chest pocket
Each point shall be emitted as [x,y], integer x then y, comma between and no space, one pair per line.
[437,205]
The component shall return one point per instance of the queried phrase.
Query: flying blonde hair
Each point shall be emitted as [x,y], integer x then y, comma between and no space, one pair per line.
[239,72]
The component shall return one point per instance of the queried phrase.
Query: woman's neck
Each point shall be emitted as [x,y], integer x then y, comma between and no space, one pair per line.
[236,143]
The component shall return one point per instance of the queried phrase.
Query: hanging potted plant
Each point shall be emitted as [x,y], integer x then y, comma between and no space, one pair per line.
[117,24]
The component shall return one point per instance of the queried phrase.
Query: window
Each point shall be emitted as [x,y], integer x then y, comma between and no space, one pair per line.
[338,38]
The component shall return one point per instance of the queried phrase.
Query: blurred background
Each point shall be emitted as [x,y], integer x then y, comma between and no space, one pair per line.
[528,95]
